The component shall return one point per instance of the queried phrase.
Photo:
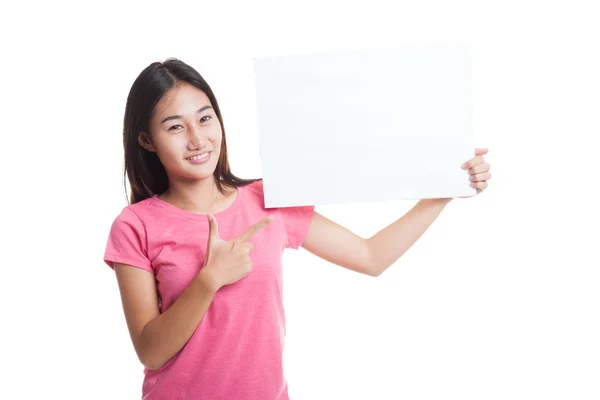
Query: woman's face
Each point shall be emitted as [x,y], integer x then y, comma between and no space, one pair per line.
[184,124]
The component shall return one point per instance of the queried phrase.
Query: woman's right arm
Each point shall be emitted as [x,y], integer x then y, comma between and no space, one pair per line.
[159,337]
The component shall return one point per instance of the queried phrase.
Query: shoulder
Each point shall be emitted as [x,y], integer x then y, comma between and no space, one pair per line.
[254,192]
[255,187]
[131,225]
[295,219]
[135,215]
[128,240]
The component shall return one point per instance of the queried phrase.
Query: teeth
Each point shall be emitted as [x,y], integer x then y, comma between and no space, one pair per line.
[199,156]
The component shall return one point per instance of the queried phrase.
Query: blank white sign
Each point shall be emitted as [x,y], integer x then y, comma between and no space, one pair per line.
[364,125]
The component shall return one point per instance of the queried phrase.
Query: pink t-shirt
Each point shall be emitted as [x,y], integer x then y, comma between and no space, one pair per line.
[236,351]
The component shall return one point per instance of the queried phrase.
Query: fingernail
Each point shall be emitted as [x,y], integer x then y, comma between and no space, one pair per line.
[270,218]
[463,166]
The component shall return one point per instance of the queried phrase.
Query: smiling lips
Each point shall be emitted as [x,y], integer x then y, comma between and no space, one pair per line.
[199,158]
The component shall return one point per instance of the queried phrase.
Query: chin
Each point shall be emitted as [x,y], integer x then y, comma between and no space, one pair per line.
[198,174]
[201,175]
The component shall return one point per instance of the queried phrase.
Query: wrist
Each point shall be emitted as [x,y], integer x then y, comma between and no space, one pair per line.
[207,280]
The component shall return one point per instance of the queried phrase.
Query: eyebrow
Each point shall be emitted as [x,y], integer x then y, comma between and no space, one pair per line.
[179,116]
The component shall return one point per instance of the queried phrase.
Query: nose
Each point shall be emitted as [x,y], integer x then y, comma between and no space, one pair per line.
[197,139]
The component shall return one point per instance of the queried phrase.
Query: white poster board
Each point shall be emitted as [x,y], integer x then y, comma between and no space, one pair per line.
[364,125]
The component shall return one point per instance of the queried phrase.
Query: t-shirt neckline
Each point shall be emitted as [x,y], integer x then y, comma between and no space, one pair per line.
[231,209]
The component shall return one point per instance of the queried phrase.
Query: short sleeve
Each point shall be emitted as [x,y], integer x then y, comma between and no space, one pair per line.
[297,221]
[127,242]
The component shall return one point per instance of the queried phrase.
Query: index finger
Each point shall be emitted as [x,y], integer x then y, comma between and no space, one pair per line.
[254,229]
[472,162]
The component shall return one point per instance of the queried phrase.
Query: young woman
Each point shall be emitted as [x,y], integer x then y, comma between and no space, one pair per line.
[198,258]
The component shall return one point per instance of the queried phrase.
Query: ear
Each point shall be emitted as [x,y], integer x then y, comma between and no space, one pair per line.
[145,141]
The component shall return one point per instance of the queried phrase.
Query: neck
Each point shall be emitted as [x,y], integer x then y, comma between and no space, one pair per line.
[200,196]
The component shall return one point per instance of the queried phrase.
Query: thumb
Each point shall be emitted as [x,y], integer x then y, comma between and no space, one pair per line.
[213,226]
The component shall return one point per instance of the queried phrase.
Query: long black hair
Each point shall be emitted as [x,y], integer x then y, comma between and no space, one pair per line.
[145,172]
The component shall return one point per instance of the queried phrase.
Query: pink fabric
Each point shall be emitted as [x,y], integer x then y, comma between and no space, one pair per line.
[236,351]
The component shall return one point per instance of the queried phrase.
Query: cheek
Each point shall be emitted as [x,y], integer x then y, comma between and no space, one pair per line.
[169,152]
[216,137]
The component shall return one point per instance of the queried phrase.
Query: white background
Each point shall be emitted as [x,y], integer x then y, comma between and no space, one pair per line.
[519,319]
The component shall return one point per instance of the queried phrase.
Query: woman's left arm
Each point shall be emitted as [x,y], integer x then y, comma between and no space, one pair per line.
[338,245]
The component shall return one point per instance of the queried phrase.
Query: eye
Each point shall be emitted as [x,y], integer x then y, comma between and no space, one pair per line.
[201,120]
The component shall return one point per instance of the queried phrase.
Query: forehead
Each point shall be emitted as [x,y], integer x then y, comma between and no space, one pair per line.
[181,99]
